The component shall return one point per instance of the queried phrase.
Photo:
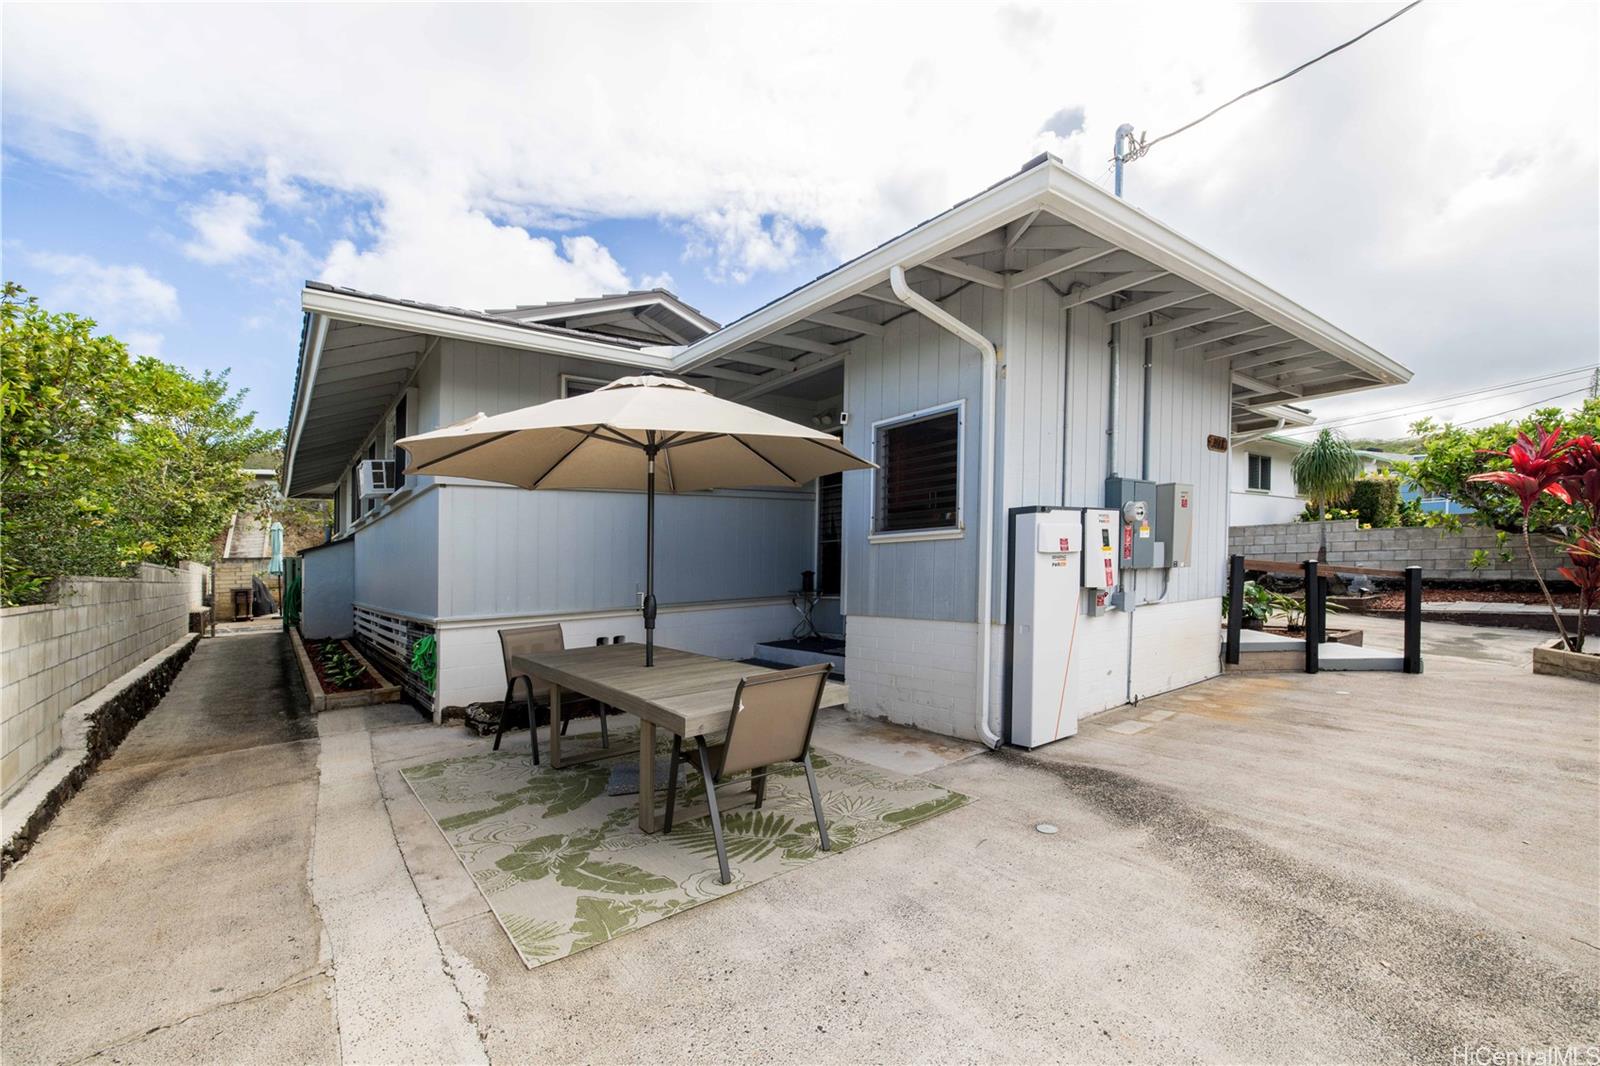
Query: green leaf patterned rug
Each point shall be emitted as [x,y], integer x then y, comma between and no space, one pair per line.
[565,867]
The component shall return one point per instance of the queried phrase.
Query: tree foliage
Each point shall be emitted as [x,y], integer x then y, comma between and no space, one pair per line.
[107,460]
[1376,500]
[1453,454]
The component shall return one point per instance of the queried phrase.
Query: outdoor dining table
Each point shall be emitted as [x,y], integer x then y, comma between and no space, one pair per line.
[686,694]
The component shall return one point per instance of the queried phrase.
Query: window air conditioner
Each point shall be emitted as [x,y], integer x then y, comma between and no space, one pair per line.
[375,478]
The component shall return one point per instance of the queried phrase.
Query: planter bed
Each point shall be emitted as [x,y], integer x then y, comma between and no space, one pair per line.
[1557,661]
[1352,637]
[372,688]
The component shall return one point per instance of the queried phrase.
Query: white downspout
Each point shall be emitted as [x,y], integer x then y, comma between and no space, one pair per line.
[945,320]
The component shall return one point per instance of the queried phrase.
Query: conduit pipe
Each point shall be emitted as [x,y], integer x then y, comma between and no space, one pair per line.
[951,324]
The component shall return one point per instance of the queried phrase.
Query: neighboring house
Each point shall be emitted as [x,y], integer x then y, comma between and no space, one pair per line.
[1261,484]
[1011,352]
[1263,490]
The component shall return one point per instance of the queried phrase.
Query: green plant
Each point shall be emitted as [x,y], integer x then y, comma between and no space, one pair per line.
[107,460]
[1479,560]
[342,669]
[1332,514]
[1376,500]
[1293,608]
[1411,514]
[1255,606]
[1323,473]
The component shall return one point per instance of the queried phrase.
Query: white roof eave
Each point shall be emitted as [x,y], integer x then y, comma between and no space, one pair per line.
[1051,187]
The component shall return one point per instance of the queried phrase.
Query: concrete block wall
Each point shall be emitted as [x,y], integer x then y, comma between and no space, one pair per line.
[1440,553]
[236,574]
[55,654]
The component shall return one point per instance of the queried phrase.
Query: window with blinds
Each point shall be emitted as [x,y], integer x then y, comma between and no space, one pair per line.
[919,473]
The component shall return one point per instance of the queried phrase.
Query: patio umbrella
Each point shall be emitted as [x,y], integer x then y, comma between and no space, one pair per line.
[612,438]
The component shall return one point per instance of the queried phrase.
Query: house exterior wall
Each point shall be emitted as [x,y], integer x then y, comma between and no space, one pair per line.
[470,557]
[911,612]
[1252,507]
[914,366]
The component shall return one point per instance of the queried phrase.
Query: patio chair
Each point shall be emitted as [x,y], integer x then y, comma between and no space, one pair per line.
[521,641]
[771,722]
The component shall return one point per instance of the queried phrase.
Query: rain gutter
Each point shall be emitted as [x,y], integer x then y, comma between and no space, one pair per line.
[951,324]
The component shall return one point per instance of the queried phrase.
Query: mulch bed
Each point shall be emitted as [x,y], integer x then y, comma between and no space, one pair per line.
[1396,601]
[314,653]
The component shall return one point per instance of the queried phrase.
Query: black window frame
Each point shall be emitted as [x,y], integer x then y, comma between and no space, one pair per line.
[920,430]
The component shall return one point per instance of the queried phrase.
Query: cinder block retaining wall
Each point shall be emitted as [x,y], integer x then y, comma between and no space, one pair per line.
[1441,554]
[56,654]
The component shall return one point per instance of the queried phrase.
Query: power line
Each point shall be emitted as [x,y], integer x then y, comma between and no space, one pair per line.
[1525,406]
[1486,392]
[1144,146]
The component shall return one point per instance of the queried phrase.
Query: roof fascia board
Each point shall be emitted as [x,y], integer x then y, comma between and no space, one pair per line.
[1105,216]
[612,303]
[348,308]
[310,362]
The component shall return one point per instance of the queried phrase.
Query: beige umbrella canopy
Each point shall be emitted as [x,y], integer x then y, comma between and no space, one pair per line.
[612,438]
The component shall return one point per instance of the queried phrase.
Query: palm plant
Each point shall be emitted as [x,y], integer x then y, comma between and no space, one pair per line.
[1324,472]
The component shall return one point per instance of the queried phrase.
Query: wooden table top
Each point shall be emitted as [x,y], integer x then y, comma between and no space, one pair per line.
[686,693]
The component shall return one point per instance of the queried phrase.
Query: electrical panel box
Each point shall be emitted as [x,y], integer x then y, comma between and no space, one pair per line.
[1135,501]
[1048,583]
[1101,548]
[1175,521]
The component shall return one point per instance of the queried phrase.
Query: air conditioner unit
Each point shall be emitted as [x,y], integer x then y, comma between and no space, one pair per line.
[375,478]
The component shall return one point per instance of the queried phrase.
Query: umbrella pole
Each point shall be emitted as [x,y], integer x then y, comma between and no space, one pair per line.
[650,559]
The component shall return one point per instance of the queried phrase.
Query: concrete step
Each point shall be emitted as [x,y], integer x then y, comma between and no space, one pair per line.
[1345,657]
[1273,652]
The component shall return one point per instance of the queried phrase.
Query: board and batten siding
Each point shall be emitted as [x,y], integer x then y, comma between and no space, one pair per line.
[507,551]
[915,365]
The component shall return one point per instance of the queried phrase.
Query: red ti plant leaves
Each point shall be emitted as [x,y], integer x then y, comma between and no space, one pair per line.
[1537,467]
[1582,480]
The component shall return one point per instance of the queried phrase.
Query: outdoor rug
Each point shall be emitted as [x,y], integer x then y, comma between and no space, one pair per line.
[565,867]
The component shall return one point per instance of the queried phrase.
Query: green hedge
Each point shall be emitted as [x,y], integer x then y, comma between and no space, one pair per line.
[1377,501]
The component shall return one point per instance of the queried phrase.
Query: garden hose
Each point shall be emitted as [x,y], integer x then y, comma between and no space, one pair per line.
[425,659]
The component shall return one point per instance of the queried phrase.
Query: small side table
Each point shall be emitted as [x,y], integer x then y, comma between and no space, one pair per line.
[805,601]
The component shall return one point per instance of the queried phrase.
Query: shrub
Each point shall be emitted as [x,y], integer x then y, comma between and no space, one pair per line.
[1376,500]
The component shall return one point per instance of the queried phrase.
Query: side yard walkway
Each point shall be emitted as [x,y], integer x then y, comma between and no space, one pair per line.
[167,909]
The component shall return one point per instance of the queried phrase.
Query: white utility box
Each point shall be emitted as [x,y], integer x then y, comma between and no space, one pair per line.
[1100,530]
[1175,521]
[1047,590]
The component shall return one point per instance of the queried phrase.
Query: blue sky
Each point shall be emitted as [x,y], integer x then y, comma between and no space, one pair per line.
[177,171]
[246,321]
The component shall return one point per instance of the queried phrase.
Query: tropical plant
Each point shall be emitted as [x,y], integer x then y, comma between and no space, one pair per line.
[1310,513]
[1255,606]
[1547,464]
[1323,473]
[342,669]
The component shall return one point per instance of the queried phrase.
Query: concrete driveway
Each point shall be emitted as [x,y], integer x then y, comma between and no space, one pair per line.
[1259,868]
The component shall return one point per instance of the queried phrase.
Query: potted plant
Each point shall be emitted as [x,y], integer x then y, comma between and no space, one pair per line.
[1255,607]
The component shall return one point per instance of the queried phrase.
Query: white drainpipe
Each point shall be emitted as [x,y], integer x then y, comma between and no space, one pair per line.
[945,320]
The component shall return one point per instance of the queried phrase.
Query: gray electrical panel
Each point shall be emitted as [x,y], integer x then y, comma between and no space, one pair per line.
[1136,501]
[1175,521]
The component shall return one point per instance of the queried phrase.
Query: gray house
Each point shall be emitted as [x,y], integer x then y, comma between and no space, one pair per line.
[1015,352]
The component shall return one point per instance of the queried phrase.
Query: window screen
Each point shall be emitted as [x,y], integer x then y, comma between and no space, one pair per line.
[919,474]
[1260,472]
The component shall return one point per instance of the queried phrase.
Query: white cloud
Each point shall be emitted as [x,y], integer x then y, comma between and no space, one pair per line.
[224,227]
[461,257]
[1370,187]
[124,299]
[104,291]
